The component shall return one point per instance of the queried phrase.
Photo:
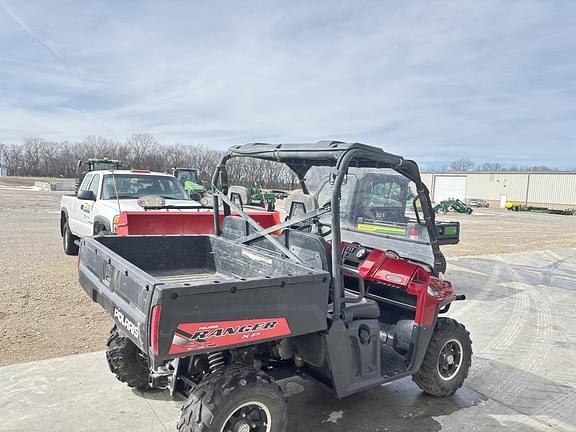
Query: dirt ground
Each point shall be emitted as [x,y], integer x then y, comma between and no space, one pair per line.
[44,313]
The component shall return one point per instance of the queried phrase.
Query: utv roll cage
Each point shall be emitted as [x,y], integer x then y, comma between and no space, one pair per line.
[339,156]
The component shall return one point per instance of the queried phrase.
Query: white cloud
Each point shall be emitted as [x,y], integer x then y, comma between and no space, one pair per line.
[431,80]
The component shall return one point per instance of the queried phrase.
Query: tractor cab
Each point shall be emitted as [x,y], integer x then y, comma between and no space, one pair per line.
[93,164]
[188,177]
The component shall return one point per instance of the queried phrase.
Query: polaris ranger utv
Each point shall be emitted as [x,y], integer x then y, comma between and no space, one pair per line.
[347,291]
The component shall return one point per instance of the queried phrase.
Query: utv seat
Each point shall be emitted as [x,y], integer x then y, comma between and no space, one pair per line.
[234,227]
[315,251]
[298,204]
[365,309]
[311,248]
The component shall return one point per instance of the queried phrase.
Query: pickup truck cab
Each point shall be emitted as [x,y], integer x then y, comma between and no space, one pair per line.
[104,194]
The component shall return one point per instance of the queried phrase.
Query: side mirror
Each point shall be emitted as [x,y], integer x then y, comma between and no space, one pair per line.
[86,195]
[195,196]
[448,233]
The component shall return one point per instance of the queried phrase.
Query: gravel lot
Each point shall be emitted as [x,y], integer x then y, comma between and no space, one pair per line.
[45,314]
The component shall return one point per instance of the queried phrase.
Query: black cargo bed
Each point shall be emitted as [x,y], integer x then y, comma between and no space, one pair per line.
[199,280]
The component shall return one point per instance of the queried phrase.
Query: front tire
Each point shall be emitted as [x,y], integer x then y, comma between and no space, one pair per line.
[68,240]
[126,361]
[447,361]
[235,399]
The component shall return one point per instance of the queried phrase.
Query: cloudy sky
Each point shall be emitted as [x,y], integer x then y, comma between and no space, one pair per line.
[432,80]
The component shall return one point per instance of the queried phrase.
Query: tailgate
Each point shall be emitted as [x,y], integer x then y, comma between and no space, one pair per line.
[121,288]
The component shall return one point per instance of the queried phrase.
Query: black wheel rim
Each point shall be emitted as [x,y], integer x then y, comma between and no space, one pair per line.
[249,417]
[450,359]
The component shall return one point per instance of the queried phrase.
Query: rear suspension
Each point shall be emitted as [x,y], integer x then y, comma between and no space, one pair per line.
[216,361]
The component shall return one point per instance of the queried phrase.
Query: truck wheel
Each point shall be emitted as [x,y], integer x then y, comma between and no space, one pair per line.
[68,239]
[447,361]
[235,399]
[126,361]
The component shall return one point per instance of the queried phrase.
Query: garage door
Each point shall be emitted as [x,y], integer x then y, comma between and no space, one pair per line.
[449,187]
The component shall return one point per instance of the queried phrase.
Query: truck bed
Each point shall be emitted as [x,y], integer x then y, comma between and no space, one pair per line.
[185,283]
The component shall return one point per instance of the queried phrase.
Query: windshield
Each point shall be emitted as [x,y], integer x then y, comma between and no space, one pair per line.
[187,175]
[377,209]
[136,186]
[104,165]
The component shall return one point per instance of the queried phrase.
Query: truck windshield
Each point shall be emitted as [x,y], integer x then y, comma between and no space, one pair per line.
[136,186]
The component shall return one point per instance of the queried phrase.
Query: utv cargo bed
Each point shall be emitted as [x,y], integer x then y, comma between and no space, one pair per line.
[164,291]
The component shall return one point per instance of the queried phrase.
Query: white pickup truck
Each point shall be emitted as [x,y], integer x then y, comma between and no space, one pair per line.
[95,209]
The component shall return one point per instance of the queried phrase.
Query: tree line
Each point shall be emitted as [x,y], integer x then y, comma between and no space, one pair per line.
[463,165]
[38,157]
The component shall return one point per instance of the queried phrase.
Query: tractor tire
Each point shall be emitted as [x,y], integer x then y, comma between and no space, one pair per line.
[126,361]
[447,361]
[469,211]
[68,240]
[235,399]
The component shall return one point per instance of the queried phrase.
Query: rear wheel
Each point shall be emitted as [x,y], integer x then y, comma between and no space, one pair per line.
[447,361]
[68,240]
[235,399]
[126,361]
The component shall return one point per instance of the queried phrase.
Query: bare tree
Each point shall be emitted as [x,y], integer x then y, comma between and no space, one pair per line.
[491,166]
[462,165]
[142,146]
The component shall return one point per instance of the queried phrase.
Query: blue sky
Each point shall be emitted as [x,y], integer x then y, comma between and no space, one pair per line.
[431,80]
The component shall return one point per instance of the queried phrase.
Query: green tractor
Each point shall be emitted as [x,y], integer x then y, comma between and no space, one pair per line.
[94,164]
[453,204]
[252,196]
[189,179]
[263,199]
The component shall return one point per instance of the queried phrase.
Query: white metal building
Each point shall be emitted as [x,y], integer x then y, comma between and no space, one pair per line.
[550,189]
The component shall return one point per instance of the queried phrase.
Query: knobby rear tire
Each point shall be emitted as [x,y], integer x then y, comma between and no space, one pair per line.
[126,361]
[213,402]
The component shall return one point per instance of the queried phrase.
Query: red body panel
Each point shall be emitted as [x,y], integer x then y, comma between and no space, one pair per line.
[430,291]
[201,336]
[380,267]
[181,222]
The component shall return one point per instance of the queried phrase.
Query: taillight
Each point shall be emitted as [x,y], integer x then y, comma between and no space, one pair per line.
[413,234]
[155,328]
[121,226]
[115,222]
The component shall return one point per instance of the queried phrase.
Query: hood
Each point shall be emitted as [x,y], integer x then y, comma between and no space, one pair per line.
[132,204]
